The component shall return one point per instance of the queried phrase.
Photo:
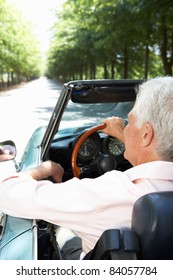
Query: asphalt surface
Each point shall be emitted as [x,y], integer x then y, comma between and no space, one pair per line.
[25,108]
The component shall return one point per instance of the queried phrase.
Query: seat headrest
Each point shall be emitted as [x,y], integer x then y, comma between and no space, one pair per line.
[152,220]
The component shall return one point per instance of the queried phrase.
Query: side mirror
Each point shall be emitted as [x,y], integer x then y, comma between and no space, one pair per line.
[7,150]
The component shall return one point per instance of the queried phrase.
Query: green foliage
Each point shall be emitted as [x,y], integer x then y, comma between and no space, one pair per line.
[112,39]
[19,50]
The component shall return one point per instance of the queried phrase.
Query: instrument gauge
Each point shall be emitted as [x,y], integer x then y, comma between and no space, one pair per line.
[114,146]
[90,147]
[87,149]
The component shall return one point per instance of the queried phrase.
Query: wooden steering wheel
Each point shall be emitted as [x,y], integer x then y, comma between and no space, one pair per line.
[76,170]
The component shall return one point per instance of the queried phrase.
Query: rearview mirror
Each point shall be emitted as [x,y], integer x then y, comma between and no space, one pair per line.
[7,150]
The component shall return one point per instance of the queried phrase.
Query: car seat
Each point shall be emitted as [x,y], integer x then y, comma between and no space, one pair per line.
[150,236]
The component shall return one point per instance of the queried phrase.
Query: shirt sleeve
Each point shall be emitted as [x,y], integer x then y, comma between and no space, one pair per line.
[68,204]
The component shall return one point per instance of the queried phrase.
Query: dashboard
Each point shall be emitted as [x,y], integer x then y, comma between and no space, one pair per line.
[94,144]
[93,148]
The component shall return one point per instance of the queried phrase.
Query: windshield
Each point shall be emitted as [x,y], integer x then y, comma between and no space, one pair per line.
[92,114]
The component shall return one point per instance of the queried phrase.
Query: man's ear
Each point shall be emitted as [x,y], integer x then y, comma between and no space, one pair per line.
[147,134]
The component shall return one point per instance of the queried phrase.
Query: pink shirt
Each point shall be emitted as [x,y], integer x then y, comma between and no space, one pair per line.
[87,206]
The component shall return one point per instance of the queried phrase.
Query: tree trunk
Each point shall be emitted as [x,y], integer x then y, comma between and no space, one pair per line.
[86,71]
[166,53]
[126,63]
[81,72]
[105,71]
[92,70]
[146,61]
[112,69]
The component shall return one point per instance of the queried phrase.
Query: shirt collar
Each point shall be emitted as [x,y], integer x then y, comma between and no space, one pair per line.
[154,170]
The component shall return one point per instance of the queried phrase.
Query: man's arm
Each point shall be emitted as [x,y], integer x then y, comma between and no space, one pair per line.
[45,170]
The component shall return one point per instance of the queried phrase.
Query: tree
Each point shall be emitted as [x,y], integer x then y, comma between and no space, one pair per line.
[112,39]
[19,50]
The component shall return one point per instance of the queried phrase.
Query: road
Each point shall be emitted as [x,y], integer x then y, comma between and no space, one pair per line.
[25,108]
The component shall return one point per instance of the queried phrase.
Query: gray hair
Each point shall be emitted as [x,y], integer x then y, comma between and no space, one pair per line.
[154,104]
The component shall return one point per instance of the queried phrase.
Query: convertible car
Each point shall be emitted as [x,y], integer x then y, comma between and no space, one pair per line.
[74,138]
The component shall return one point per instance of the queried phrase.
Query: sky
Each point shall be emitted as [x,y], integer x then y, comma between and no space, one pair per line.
[41,13]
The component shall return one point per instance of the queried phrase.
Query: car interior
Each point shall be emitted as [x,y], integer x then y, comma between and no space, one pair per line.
[87,152]
[82,149]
